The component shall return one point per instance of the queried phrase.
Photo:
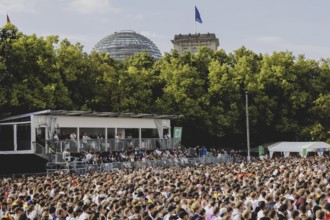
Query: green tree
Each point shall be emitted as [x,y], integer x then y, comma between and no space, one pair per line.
[31,78]
[135,84]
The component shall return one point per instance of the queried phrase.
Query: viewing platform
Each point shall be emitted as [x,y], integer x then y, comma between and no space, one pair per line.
[50,132]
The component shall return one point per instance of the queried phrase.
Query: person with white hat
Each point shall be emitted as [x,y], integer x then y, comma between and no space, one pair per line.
[222,212]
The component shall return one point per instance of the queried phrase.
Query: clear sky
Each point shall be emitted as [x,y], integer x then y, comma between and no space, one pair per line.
[264,26]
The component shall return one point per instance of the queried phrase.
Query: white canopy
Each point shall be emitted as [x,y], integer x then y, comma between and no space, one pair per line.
[287,147]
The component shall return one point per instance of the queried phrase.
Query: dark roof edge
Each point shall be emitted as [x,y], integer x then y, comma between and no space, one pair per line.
[94,114]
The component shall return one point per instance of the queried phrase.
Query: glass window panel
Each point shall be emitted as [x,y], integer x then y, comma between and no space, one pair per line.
[6,137]
[23,137]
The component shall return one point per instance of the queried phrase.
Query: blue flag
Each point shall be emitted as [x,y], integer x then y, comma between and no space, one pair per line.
[198,16]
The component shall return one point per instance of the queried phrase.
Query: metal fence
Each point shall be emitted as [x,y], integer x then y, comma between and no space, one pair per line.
[82,167]
[79,167]
[21,175]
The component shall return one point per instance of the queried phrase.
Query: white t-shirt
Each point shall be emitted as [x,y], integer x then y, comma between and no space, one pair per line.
[1,213]
[32,215]
[236,215]
[70,218]
[85,139]
[260,214]
[55,137]
[66,155]
[83,216]
[89,156]
[73,136]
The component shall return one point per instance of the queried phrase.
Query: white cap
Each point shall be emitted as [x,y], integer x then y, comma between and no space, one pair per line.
[222,211]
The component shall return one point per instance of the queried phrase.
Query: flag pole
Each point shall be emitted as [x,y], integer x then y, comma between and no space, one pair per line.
[195,27]
[195,20]
[247,126]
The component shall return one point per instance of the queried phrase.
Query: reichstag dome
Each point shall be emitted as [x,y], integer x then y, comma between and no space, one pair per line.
[126,43]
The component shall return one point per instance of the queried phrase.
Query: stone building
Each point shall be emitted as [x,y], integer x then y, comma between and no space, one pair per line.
[190,42]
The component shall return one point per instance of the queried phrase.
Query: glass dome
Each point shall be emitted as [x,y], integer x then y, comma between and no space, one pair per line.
[126,43]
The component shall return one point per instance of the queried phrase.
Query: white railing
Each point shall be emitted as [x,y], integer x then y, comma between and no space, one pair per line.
[102,145]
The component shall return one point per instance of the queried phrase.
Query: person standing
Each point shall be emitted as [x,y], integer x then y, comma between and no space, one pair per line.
[66,156]
[56,141]
[85,139]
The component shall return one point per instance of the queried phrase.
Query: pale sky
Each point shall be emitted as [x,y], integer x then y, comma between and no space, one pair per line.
[264,26]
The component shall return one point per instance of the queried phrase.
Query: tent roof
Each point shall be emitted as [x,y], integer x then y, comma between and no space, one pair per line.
[296,146]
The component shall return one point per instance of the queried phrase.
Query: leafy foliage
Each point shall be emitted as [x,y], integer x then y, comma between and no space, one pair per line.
[289,97]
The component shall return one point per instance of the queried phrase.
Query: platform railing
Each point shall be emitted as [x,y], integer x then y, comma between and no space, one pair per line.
[102,145]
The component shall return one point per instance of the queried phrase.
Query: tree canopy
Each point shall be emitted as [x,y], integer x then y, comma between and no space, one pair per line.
[289,96]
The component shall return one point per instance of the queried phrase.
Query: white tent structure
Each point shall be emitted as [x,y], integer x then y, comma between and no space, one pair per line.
[299,147]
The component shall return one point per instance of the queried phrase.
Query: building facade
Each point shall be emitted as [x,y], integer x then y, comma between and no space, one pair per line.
[190,42]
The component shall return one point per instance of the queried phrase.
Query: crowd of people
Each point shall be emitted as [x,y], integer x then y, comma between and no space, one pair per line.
[138,154]
[281,188]
[98,158]
[130,156]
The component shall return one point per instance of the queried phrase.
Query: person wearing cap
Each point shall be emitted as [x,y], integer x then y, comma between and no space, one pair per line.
[222,212]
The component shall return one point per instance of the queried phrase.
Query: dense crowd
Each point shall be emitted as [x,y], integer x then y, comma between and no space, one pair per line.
[290,188]
[138,154]
[130,156]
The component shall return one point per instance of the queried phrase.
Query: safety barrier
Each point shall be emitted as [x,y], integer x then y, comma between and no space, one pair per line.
[79,167]
[82,167]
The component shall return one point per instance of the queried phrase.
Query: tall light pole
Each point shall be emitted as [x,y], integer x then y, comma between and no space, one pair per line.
[247,125]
